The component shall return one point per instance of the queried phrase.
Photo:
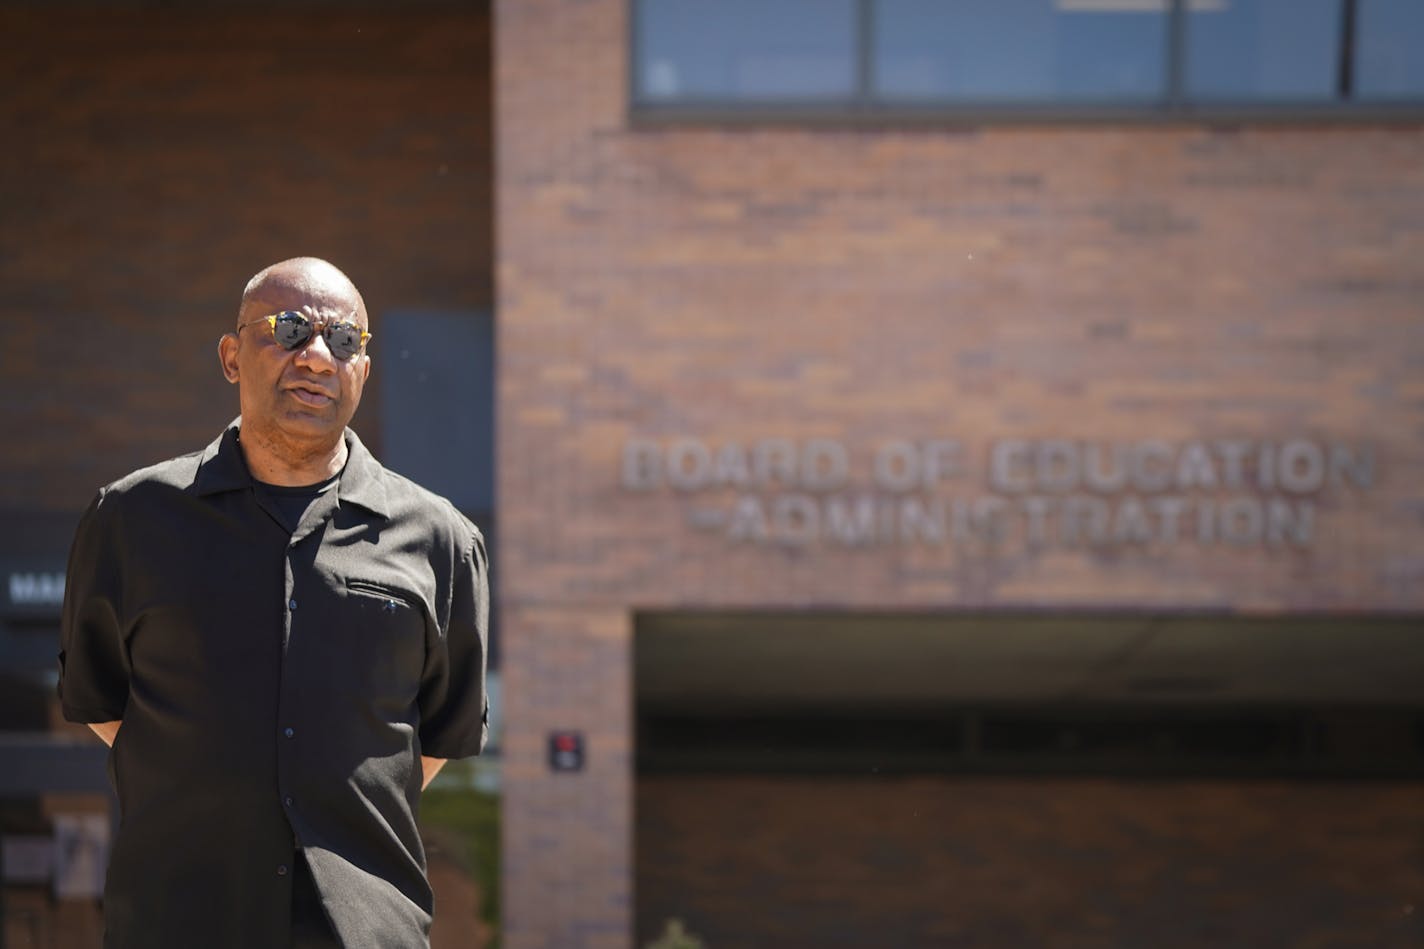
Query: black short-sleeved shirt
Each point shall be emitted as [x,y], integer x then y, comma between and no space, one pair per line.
[277,689]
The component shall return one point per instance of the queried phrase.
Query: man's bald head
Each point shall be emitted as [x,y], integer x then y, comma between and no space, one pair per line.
[312,279]
[296,399]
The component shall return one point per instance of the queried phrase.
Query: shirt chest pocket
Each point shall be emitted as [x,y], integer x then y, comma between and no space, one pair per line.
[383,631]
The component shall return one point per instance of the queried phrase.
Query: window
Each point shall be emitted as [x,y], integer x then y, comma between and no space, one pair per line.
[1268,50]
[437,403]
[1017,51]
[1389,50]
[747,50]
[880,57]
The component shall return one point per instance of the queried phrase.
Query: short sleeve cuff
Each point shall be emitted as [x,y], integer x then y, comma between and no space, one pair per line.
[90,716]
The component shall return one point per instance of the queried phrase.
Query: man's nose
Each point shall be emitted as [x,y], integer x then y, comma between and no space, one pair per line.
[315,355]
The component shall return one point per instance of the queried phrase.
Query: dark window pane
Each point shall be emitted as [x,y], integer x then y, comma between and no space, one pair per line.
[437,402]
[739,50]
[1081,51]
[1389,49]
[1263,49]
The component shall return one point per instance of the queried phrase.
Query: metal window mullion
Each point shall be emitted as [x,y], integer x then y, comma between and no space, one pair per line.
[1345,76]
[864,52]
[635,57]
[1176,54]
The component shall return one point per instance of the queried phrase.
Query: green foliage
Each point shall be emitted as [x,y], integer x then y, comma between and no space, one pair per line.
[469,821]
[675,937]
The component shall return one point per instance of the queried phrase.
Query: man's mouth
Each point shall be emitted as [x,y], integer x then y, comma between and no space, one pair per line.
[313,397]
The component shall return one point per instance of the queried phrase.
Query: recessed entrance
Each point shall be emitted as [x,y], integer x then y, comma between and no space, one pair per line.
[862,779]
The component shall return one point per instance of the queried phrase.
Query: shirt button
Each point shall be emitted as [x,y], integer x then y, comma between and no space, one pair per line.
[290,732]
[287,801]
[281,870]
[291,604]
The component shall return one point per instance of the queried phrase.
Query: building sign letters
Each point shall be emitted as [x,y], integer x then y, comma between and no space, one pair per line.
[1040,493]
[35,589]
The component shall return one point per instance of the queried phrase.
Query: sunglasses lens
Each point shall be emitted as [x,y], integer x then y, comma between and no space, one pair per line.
[291,329]
[343,339]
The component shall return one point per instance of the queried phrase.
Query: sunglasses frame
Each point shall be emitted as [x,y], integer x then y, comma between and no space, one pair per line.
[318,326]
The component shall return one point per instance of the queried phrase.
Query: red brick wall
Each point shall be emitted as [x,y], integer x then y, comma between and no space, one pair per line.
[859,284]
[997,862]
[566,850]
[155,158]
[1103,284]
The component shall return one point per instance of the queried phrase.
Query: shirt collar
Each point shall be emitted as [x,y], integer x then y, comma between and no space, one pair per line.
[222,468]
[361,480]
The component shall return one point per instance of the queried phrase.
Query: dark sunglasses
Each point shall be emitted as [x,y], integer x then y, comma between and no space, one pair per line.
[291,329]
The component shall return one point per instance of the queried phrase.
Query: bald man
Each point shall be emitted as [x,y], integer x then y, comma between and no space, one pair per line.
[282,642]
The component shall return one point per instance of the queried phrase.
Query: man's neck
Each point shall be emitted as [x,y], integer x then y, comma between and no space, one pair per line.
[276,460]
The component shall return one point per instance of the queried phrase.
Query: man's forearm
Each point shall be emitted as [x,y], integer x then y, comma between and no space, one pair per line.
[430,767]
[107,730]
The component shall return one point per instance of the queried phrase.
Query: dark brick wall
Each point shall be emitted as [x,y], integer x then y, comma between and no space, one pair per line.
[1000,862]
[155,157]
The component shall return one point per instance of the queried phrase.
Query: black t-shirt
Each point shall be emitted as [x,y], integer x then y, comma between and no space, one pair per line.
[277,690]
[289,502]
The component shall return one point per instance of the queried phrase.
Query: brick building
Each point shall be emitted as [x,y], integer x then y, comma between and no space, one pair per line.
[890,450]
[955,474]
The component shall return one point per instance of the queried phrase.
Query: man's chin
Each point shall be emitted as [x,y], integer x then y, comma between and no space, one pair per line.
[312,423]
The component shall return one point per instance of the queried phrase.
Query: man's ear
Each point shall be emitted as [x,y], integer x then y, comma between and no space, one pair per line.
[227,356]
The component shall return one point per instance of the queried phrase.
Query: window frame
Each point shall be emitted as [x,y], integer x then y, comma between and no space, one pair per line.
[864,107]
